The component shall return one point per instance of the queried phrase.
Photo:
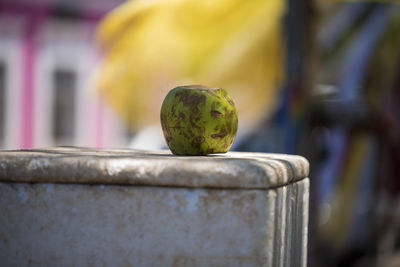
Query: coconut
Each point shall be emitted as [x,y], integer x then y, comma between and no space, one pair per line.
[198,120]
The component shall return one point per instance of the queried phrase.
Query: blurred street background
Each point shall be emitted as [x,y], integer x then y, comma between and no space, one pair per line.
[315,78]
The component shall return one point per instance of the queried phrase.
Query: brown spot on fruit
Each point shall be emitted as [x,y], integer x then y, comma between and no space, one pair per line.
[219,135]
[195,123]
[200,139]
[196,143]
[191,99]
[216,113]
[229,101]
[211,92]
[229,121]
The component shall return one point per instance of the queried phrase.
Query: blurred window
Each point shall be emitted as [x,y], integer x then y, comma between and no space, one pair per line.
[64,106]
[2,100]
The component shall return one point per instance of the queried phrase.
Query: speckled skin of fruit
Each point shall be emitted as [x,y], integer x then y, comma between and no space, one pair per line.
[198,120]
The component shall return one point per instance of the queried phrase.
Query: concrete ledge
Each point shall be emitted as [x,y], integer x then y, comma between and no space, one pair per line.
[153,168]
[85,207]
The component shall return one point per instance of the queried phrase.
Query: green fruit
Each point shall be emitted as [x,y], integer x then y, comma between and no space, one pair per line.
[197,120]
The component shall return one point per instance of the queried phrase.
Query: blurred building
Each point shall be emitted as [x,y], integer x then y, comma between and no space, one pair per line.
[47,61]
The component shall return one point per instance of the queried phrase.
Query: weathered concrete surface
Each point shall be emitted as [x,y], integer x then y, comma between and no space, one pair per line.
[142,222]
[160,168]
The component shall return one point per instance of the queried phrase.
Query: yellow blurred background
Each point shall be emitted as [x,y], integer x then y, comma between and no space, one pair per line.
[154,46]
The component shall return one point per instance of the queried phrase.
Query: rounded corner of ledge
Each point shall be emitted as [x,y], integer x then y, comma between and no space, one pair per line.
[306,165]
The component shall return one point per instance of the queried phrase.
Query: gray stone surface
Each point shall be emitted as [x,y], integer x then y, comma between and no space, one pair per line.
[152,209]
[158,168]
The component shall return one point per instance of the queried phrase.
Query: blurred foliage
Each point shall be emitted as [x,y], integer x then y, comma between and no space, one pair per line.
[356,127]
[152,46]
